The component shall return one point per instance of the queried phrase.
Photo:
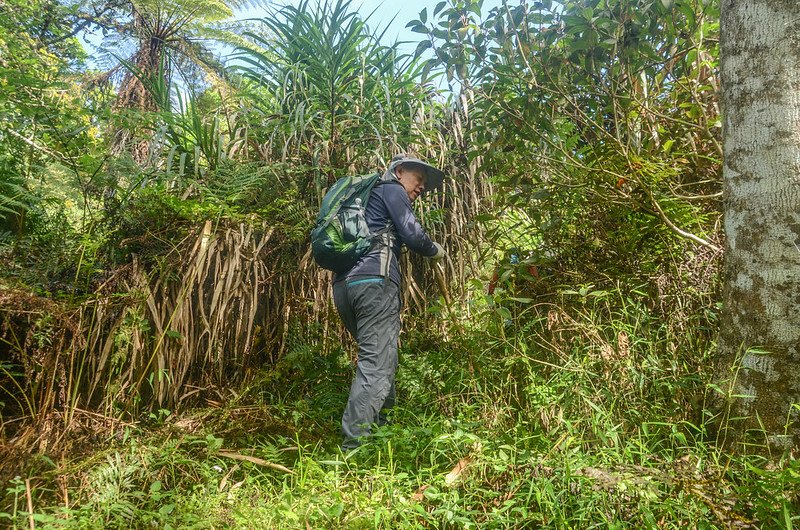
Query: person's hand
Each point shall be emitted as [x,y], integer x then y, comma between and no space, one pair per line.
[440,253]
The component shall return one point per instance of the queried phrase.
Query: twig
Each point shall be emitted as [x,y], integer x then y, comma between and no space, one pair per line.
[253,459]
[30,503]
[33,144]
[679,231]
[103,417]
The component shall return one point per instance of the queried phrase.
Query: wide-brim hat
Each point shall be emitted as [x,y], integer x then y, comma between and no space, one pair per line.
[433,175]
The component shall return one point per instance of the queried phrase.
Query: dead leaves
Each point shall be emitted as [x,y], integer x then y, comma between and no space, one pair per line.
[453,477]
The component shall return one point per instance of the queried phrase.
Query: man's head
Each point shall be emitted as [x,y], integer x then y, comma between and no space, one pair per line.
[415,175]
[412,178]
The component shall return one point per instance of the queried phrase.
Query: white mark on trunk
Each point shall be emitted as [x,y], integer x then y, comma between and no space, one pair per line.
[762,363]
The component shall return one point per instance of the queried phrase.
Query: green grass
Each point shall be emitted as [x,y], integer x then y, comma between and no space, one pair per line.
[588,414]
[511,480]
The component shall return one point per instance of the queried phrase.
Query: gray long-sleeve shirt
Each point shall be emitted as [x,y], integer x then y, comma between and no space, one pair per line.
[389,202]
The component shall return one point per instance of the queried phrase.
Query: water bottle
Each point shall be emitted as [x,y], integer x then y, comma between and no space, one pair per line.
[361,219]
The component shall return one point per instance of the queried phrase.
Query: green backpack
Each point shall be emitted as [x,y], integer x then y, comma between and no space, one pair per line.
[341,235]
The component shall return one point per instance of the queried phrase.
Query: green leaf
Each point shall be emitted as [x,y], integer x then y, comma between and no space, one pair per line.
[335,510]
[426,70]
[421,47]
[787,517]
[213,443]
[332,462]
[521,300]
[423,15]
[688,12]
[503,312]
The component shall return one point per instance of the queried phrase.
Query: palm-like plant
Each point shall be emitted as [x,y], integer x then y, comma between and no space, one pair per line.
[144,31]
[332,92]
[177,26]
[183,129]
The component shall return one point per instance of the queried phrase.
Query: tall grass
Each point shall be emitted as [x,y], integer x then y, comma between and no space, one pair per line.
[549,420]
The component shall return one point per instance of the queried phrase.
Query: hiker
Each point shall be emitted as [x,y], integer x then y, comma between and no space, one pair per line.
[367,297]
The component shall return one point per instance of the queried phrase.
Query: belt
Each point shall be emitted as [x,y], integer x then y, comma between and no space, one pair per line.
[363,280]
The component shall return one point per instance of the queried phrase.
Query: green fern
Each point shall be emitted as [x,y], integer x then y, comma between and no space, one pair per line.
[13,198]
[113,489]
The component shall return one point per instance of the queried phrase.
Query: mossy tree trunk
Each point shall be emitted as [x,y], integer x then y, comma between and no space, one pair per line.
[760,334]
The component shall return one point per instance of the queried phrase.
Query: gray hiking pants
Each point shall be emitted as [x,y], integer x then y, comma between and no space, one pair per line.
[370,310]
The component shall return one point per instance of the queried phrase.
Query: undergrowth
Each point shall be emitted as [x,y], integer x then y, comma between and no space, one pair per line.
[586,413]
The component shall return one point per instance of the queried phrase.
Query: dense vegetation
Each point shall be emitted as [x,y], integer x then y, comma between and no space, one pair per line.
[169,356]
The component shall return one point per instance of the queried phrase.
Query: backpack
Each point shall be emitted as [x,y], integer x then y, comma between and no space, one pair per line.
[341,236]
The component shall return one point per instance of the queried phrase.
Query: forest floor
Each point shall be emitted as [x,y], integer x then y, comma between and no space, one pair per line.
[458,454]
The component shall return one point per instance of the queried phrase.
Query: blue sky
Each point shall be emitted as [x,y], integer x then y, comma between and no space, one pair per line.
[380,13]
[403,12]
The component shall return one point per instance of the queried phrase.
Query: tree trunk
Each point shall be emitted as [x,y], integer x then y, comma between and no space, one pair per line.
[759,345]
[134,95]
